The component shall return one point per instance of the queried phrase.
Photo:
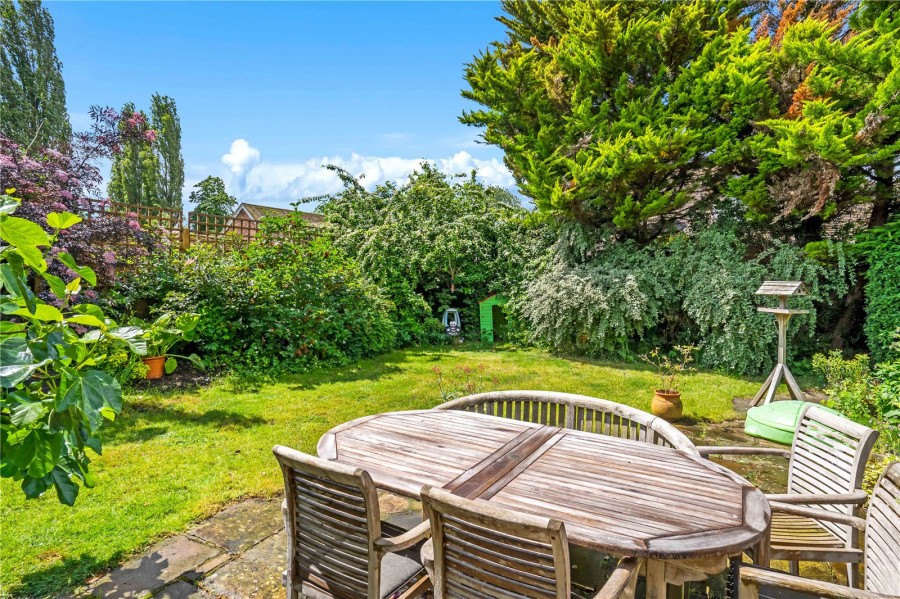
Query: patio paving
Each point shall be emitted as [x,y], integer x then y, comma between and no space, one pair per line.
[238,553]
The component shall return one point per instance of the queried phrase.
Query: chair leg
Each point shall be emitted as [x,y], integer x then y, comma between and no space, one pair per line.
[853,576]
[794,568]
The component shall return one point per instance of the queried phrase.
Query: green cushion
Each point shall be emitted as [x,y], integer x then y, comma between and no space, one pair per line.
[776,421]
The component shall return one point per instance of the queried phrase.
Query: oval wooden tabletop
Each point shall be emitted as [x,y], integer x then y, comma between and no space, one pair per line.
[615,495]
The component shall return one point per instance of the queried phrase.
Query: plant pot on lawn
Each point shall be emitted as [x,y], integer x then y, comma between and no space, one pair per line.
[667,404]
[667,398]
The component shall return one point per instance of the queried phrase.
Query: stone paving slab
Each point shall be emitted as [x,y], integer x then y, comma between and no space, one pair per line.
[243,525]
[161,564]
[254,575]
[182,590]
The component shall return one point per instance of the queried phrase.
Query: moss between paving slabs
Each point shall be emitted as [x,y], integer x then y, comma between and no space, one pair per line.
[174,459]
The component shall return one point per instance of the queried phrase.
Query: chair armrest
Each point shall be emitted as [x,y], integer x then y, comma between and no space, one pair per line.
[426,555]
[799,510]
[624,574]
[854,498]
[411,537]
[708,450]
[754,575]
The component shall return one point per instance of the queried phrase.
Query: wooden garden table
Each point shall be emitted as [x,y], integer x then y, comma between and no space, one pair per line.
[686,515]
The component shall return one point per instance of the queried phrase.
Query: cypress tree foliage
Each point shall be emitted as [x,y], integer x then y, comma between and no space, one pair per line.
[170,179]
[32,92]
[135,170]
[634,114]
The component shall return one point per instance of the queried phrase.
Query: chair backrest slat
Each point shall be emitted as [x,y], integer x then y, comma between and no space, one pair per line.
[828,456]
[577,412]
[481,550]
[883,534]
[332,522]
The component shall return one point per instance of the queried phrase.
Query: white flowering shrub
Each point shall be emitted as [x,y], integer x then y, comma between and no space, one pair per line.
[695,289]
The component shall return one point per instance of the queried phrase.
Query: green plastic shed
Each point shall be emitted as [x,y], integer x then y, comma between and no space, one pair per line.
[492,317]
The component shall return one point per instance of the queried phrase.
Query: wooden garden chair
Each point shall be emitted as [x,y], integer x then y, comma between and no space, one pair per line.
[479,550]
[882,551]
[577,412]
[333,525]
[827,463]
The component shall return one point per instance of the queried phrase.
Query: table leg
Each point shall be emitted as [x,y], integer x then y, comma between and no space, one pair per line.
[656,579]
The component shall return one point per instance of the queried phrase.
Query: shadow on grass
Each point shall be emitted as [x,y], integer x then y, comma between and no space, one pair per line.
[59,577]
[369,370]
[142,421]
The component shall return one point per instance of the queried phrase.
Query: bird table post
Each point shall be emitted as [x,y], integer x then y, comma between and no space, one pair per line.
[783,290]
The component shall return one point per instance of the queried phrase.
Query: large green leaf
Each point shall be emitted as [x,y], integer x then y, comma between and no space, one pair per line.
[83,271]
[12,275]
[18,232]
[56,285]
[66,490]
[44,312]
[90,391]
[33,257]
[48,448]
[16,362]
[63,220]
[8,204]
[132,336]
[35,487]
[24,413]
[87,320]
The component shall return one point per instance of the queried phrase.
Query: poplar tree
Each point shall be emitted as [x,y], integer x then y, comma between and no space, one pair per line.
[32,92]
[134,178]
[170,178]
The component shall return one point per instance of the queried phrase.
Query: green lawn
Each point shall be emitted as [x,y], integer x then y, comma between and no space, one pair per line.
[171,460]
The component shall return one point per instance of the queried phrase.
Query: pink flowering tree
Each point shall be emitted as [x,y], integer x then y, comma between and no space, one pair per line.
[51,181]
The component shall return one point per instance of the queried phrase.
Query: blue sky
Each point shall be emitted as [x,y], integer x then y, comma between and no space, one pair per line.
[269,91]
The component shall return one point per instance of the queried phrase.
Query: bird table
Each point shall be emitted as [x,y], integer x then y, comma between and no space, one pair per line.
[682,513]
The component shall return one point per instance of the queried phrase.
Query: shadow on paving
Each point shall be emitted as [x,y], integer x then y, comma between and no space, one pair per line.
[142,421]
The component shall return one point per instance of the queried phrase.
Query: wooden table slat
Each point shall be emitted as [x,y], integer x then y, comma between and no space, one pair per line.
[622,496]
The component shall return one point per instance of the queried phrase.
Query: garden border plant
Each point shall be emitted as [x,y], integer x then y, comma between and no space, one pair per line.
[55,396]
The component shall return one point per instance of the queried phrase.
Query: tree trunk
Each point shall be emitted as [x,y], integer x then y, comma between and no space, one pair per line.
[882,204]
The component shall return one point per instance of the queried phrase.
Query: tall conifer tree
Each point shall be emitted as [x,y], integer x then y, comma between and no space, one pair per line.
[170,177]
[135,169]
[32,92]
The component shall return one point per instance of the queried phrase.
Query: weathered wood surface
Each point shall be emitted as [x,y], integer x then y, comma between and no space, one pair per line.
[828,457]
[617,495]
[333,527]
[577,412]
[882,550]
[781,288]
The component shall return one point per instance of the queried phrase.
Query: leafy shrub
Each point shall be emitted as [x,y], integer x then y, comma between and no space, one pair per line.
[55,393]
[870,398]
[287,302]
[616,299]
[882,249]
[124,366]
[433,243]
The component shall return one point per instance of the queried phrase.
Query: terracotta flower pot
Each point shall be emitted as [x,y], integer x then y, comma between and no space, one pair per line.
[667,404]
[155,364]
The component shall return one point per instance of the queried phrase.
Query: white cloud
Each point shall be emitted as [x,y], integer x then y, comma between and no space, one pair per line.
[280,183]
